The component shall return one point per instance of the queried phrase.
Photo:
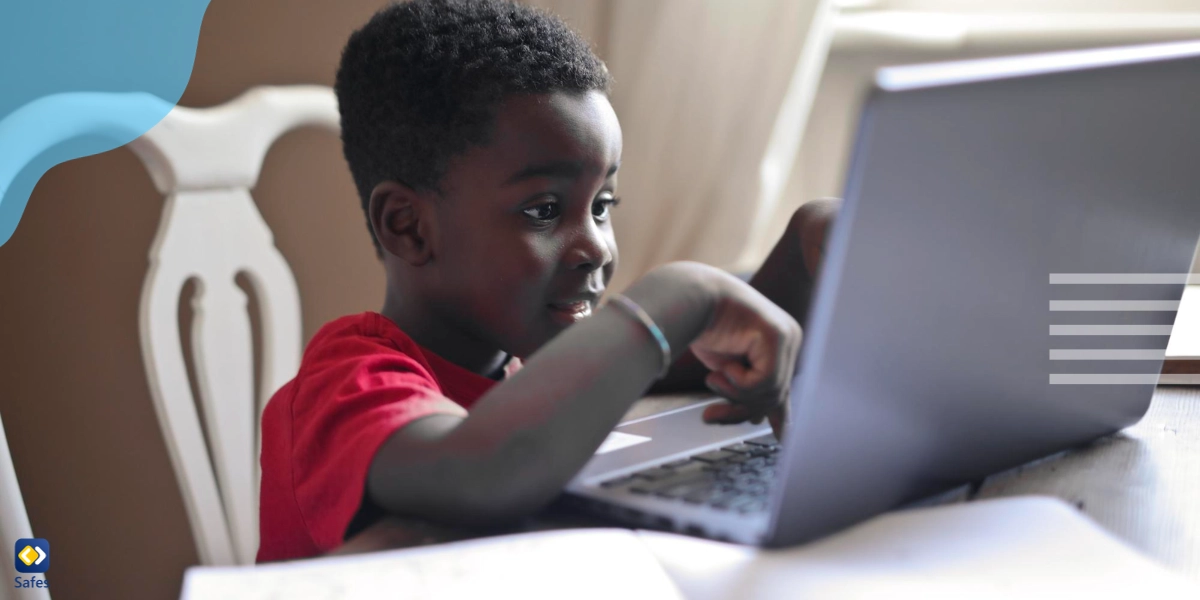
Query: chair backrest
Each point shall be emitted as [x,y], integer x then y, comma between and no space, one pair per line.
[14,522]
[206,161]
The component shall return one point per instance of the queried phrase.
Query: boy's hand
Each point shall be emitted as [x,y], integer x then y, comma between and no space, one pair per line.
[751,347]
[786,278]
[811,223]
[730,414]
[789,274]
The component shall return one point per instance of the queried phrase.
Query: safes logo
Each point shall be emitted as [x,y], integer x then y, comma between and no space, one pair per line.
[32,555]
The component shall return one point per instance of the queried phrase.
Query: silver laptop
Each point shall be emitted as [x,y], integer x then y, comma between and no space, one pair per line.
[999,287]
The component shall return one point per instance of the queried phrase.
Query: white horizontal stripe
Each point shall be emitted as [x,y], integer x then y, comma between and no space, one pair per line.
[1124,278]
[1122,305]
[1110,330]
[1107,354]
[1103,379]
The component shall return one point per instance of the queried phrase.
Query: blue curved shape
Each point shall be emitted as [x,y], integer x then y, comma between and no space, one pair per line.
[82,77]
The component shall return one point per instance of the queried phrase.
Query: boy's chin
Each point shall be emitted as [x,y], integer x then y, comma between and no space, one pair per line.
[546,330]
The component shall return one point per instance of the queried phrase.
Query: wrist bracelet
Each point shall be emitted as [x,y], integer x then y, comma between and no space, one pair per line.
[636,311]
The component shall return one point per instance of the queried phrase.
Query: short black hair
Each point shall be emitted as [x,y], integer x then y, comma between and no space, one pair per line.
[420,82]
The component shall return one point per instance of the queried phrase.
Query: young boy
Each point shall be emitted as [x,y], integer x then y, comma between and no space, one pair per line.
[485,151]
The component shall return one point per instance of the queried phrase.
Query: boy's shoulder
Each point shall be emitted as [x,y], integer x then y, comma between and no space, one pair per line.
[367,352]
[353,346]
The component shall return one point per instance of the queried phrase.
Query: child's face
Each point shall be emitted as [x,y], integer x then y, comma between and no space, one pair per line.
[526,243]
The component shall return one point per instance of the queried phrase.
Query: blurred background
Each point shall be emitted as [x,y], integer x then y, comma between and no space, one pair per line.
[734,113]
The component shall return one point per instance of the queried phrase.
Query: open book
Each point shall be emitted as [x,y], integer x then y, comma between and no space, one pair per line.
[1025,547]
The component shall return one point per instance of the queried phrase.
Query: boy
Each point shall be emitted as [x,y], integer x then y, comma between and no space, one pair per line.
[485,151]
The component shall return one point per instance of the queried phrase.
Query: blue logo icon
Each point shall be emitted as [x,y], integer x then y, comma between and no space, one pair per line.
[31,555]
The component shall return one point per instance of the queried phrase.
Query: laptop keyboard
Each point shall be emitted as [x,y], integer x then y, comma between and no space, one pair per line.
[733,478]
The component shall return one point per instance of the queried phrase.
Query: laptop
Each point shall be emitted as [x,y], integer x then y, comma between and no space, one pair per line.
[999,286]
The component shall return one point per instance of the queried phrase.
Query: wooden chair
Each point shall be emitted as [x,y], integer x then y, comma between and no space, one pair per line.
[206,161]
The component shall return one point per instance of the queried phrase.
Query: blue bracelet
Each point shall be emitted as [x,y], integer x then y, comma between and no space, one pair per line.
[636,311]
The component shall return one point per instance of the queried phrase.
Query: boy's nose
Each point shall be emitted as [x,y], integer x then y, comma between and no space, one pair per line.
[590,250]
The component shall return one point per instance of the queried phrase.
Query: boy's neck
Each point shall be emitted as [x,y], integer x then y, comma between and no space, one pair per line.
[442,338]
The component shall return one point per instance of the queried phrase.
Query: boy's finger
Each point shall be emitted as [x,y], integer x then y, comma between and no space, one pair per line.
[715,361]
[749,374]
[817,219]
[757,401]
[719,385]
[777,422]
[737,374]
[758,393]
[725,414]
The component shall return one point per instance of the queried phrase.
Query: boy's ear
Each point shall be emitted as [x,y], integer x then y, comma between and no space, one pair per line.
[401,218]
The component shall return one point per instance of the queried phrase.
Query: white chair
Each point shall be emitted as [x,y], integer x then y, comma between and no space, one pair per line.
[14,522]
[206,161]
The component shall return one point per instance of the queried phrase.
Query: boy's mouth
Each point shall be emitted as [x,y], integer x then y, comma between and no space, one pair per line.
[569,313]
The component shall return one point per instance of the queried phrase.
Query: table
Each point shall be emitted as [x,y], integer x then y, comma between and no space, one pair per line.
[1142,484]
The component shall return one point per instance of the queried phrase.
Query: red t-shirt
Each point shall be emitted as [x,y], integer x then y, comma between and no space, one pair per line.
[360,380]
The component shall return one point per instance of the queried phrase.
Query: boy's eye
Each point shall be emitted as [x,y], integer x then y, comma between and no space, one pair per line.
[602,205]
[547,211]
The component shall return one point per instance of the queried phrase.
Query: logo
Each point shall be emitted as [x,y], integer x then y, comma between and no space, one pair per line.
[1103,340]
[31,555]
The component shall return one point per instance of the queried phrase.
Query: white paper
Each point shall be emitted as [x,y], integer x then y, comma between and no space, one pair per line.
[1012,548]
[578,563]
[1185,337]
[618,440]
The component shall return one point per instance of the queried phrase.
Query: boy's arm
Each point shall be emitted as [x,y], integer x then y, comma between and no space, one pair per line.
[527,437]
[786,277]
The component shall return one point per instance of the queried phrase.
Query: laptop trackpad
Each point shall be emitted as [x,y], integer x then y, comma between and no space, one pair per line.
[658,437]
